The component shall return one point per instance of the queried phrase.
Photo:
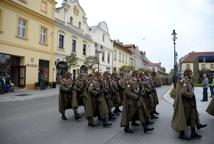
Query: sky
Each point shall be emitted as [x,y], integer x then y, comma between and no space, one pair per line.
[149,25]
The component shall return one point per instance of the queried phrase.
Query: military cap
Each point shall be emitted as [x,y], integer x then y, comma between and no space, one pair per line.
[134,73]
[187,71]
[67,74]
[106,73]
[97,73]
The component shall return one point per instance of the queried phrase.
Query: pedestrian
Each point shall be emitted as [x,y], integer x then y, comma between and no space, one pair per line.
[205,88]
[211,84]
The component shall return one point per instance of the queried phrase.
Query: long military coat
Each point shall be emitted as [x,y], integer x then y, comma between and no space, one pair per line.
[210,108]
[95,104]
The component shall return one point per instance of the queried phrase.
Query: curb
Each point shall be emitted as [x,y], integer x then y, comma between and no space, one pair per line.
[167,97]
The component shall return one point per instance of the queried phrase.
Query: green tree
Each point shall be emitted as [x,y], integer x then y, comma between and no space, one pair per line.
[90,61]
[71,60]
[126,68]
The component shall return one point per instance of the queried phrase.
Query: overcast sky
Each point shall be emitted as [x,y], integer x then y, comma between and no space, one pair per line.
[149,24]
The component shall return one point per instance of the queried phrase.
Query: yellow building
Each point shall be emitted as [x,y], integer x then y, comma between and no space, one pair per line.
[72,36]
[27,29]
[122,56]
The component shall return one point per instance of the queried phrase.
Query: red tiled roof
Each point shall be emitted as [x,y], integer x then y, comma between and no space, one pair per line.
[190,57]
[129,46]
[119,45]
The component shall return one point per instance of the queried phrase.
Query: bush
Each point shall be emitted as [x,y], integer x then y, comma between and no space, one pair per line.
[197,85]
[172,93]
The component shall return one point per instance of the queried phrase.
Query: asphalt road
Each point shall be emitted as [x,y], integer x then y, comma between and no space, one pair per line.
[39,122]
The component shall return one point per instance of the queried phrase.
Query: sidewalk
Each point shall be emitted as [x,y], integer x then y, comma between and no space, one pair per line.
[24,94]
[201,106]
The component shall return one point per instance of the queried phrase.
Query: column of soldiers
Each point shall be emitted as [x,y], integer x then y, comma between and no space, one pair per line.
[102,95]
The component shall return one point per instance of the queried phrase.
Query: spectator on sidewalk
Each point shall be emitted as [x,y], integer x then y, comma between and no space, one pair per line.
[205,87]
[211,84]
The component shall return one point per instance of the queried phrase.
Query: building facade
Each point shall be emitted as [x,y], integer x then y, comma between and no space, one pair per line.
[103,46]
[72,36]
[27,29]
[156,67]
[121,56]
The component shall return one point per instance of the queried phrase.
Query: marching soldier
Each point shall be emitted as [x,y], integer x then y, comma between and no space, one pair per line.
[185,111]
[67,96]
[81,88]
[130,105]
[96,104]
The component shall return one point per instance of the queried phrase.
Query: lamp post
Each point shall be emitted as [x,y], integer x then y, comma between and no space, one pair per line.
[175,65]
[99,49]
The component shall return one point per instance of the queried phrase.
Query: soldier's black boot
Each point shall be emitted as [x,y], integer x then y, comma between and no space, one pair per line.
[149,122]
[128,130]
[199,126]
[111,116]
[76,114]
[146,128]
[184,136]
[106,123]
[91,122]
[155,112]
[194,134]
[117,109]
[134,123]
[63,116]
[153,116]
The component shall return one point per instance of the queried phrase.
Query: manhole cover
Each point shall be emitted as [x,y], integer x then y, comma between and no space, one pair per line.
[23,94]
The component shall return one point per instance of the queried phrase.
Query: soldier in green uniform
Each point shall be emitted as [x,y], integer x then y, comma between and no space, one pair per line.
[131,111]
[81,88]
[185,111]
[96,103]
[210,108]
[106,89]
[67,96]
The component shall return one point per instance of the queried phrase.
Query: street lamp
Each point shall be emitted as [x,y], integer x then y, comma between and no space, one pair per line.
[99,49]
[175,65]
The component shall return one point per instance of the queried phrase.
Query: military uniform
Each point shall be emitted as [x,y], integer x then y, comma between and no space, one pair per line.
[67,96]
[96,103]
[81,88]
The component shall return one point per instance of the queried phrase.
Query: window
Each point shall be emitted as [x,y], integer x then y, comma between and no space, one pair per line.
[103,56]
[74,45]
[44,7]
[126,58]
[187,66]
[203,66]
[71,20]
[115,54]
[123,58]
[61,41]
[43,35]
[108,58]
[211,66]
[22,28]
[103,37]
[119,56]
[80,25]
[84,49]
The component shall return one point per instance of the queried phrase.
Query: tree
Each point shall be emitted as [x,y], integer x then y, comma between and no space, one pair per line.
[90,61]
[71,60]
[126,68]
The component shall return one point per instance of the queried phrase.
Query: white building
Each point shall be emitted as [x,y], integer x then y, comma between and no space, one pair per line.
[102,47]
[72,36]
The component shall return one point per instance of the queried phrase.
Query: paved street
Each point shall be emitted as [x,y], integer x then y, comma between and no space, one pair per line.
[38,121]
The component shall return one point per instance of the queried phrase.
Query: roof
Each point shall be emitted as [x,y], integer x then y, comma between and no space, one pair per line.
[129,46]
[190,57]
[121,46]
